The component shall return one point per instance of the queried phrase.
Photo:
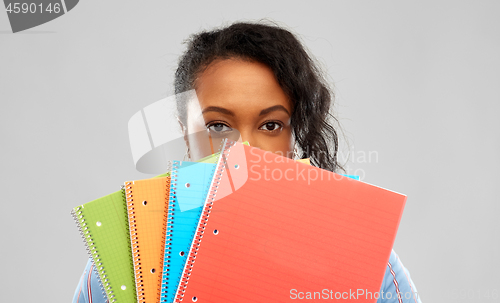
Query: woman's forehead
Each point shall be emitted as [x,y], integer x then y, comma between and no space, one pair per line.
[240,85]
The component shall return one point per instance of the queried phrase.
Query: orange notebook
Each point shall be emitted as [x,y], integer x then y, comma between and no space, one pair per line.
[272,227]
[147,205]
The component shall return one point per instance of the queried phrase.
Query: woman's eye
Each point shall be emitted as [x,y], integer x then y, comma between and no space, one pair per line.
[219,127]
[271,126]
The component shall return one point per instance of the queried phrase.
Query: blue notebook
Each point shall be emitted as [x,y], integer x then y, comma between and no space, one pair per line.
[189,188]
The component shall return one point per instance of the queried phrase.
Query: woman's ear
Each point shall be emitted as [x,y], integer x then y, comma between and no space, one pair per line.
[293,148]
[184,131]
[183,128]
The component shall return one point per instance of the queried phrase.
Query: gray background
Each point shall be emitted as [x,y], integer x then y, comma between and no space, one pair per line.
[416,83]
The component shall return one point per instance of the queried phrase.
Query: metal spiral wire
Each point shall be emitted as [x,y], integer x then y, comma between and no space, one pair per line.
[221,165]
[79,218]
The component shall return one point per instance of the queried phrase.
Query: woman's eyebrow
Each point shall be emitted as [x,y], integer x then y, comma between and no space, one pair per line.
[217,109]
[274,108]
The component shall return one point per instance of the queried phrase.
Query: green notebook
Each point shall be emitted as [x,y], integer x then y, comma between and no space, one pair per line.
[104,227]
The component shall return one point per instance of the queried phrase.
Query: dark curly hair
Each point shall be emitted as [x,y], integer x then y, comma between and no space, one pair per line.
[295,71]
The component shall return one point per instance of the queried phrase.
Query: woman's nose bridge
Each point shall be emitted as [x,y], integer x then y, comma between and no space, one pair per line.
[246,135]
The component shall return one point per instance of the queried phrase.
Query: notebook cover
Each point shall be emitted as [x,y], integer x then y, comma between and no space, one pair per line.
[147,204]
[190,184]
[271,226]
[104,226]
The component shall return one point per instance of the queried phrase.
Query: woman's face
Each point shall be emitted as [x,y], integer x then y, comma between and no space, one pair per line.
[243,95]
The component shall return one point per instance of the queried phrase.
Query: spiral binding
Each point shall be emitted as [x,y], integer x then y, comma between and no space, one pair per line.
[134,241]
[168,225]
[165,222]
[221,164]
[124,198]
[91,250]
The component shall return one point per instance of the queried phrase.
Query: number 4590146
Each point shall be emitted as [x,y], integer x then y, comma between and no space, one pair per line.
[32,8]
